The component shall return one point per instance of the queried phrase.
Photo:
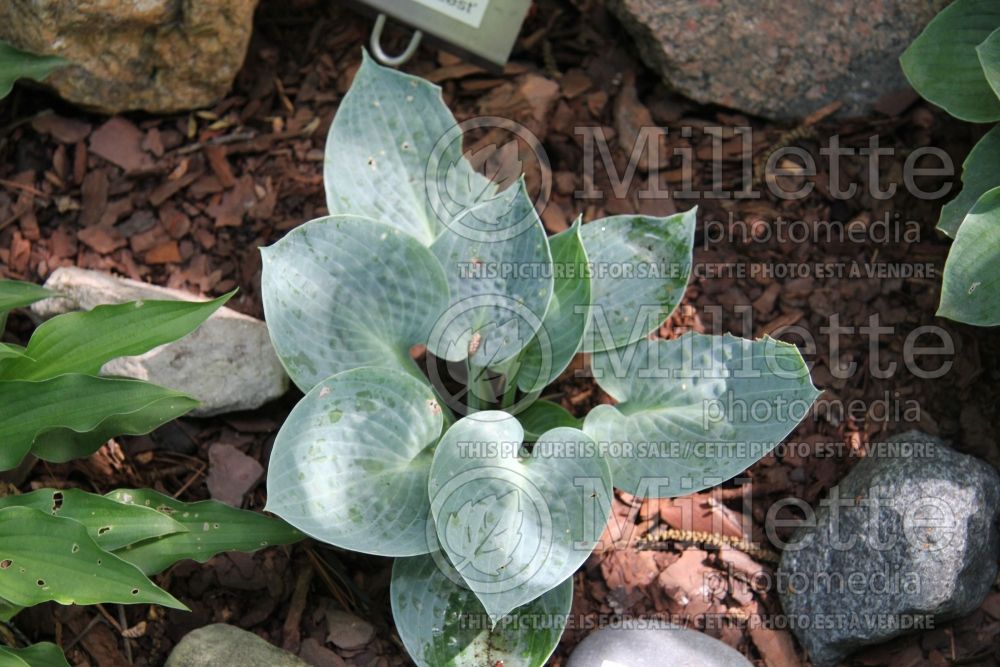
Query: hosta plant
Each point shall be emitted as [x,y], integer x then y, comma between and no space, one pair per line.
[16,64]
[75,547]
[489,495]
[955,63]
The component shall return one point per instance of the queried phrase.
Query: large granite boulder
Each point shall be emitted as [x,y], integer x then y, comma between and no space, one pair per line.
[777,58]
[906,541]
[158,55]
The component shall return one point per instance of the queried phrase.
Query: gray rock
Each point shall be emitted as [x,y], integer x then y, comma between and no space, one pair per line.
[654,645]
[777,58]
[222,645]
[227,363]
[906,539]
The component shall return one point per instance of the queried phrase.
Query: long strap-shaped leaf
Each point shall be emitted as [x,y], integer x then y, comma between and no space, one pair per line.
[43,654]
[17,294]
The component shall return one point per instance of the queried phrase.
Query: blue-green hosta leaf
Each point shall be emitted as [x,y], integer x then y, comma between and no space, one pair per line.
[564,324]
[17,294]
[83,341]
[943,66]
[350,464]
[111,524]
[543,415]
[640,269]
[443,624]
[43,654]
[45,558]
[970,291]
[210,527]
[16,64]
[979,174]
[500,289]
[989,57]
[344,292]
[394,154]
[70,416]
[695,411]
[516,525]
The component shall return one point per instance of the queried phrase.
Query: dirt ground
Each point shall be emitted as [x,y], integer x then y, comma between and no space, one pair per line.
[186,200]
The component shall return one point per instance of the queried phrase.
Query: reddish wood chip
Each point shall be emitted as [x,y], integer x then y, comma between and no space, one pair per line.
[103,240]
[120,142]
[231,473]
[64,130]
[165,253]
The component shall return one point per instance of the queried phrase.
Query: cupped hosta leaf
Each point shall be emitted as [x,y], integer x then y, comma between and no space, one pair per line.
[640,269]
[393,154]
[564,324]
[979,174]
[211,528]
[111,524]
[17,294]
[43,654]
[344,292]
[82,342]
[695,411]
[543,415]
[989,57]
[942,64]
[442,623]
[72,415]
[516,525]
[350,464]
[16,64]
[45,558]
[970,290]
[500,289]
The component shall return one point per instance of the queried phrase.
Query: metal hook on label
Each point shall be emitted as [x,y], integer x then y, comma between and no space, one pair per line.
[381,56]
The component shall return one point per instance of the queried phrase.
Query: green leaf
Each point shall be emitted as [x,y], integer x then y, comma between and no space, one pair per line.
[212,528]
[394,154]
[83,341]
[516,525]
[72,415]
[43,654]
[442,623]
[11,351]
[989,57]
[979,174]
[111,524]
[344,292]
[943,66]
[696,411]
[16,64]
[17,294]
[350,464]
[562,330]
[970,291]
[641,267]
[45,558]
[499,290]
[543,415]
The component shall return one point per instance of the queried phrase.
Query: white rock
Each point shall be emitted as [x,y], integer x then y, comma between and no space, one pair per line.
[227,363]
[654,644]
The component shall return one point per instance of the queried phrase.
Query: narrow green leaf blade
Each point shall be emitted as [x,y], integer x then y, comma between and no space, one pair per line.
[350,464]
[979,174]
[212,528]
[543,415]
[72,415]
[18,294]
[45,558]
[42,654]
[442,624]
[82,342]
[10,351]
[970,291]
[943,66]
[16,64]
[111,524]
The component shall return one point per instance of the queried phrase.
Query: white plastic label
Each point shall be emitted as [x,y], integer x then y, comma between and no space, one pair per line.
[469,12]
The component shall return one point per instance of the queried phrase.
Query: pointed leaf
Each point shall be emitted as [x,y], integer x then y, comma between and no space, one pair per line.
[942,64]
[970,291]
[211,528]
[515,525]
[45,558]
[350,464]
[542,416]
[696,411]
[442,624]
[72,415]
[42,654]
[641,267]
[11,351]
[979,174]
[17,294]
[16,64]
[344,292]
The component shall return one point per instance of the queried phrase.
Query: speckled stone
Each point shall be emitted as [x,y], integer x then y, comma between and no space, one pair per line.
[221,644]
[913,540]
[777,58]
[654,646]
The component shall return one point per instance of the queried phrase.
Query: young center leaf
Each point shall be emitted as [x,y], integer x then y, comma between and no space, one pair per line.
[515,525]
[695,411]
[543,415]
[970,290]
[350,464]
[443,624]
[641,267]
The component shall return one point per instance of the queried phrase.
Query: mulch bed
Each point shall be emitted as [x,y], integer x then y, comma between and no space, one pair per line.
[186,200]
